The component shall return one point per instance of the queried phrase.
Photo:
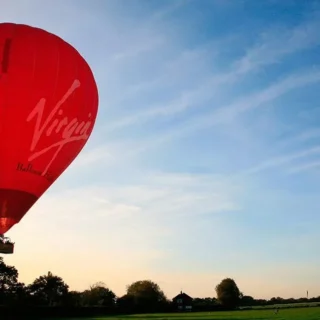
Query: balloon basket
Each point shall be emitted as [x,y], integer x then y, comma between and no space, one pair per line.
[6,246]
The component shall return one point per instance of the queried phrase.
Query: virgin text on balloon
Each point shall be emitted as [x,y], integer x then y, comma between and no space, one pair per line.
[67,130]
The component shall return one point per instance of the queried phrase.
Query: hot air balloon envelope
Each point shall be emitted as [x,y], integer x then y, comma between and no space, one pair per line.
[48,107]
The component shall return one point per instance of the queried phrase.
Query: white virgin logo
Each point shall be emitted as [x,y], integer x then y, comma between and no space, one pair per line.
[67,130]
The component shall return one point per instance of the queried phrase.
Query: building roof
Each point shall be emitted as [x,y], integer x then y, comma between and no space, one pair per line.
[182,295]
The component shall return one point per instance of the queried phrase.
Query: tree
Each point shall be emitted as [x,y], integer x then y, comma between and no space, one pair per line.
[73,299]
[99,295]
[247,301]
[125,303]
[277,300]
[8,276]
[228,293]
[48,290]
[203,304]
[11,290]
[146,295]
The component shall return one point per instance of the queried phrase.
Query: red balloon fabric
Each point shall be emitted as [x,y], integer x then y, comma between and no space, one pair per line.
[48,108]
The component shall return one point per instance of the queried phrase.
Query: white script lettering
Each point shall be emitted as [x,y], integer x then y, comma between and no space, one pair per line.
[67,130]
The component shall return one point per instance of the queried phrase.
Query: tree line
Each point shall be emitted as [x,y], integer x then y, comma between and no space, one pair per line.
[51,291]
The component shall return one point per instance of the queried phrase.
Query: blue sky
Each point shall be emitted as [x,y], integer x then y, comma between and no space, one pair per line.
[204,162]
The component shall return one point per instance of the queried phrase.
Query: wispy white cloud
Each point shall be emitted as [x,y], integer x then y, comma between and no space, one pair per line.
[132,224]
[272,47]
[228,113]
[224,115]
[93,156]
[310,165]
[109,154]
[168,10]
[146,43]
[157,195]
[176,71]
[148,204]
[279,42]
[303,136]
[145,37]
[282,160]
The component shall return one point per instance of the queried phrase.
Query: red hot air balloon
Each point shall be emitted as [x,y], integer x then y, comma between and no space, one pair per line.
[48,107]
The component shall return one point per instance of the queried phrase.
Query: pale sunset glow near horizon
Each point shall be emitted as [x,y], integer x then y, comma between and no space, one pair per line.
[204,162]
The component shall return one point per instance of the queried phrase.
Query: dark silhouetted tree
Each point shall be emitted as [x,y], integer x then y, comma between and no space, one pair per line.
[99,295]
[228,293]
[204,304]
[73,299]
[125,303]
[48,290]
[8,276]
[11,290]
[247,301]
[146,295]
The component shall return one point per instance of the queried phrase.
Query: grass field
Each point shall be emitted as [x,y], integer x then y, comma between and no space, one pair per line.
[289,305]
[311,313]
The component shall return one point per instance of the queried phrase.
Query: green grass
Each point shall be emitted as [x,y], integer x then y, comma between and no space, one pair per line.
[311,313]
[290,305]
